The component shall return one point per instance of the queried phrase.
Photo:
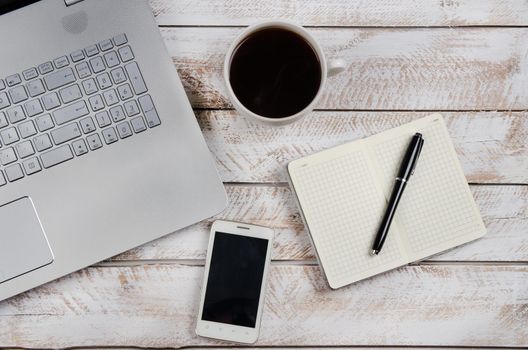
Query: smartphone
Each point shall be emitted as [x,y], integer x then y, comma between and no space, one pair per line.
[236,269]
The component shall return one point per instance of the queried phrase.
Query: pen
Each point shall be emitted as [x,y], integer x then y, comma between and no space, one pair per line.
[406,170]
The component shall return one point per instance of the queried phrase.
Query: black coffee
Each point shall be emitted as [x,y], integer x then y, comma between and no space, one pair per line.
[275,73]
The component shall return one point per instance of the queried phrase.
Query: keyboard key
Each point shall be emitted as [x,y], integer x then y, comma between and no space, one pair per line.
[103,119]
[3,181]
[14,173]
[2,84]
[27,129]
[44,122]
[70,93]
[96,102]
[45,68]
[117,114]
[4,100]
[131,108]
[66,133]
[71,112]
[3,121]
[111,59]
[124,130]
[124,92]
[87,125]
[61,62]
[30,73]
[83,70]
[152,118]
[56,156]
[33,108]
[138,124]
[32,166]
[7,156]
[109,135]
[35,88]
[25,149]
[59,79]
[120,39]
[9,136]
[104,81]
[50,101]
[97,64]
[135,77]
[13,80]
[79,147]
[106,45]
[118,75]
[110,97]
[18,94]
[146,103]
[89,86]
[77,56]
[16,114]
[91,50]
[126,54]
[94,142]
[42,142]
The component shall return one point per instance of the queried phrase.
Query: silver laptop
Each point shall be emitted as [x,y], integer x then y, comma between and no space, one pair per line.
[100,150]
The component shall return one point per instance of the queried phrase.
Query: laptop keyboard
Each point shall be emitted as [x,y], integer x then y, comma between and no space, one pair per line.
[73,105]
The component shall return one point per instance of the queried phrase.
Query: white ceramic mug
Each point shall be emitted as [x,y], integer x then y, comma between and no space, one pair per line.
[328,69]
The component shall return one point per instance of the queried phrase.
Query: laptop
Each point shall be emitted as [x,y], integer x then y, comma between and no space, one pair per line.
[100,150]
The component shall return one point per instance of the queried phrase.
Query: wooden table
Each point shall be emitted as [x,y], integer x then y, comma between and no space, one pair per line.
[467,59]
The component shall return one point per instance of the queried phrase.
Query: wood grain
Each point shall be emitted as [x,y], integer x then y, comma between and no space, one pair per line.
[491,146]
[342,12]
[156,306]
[389,69]
[504,209]
[240,347]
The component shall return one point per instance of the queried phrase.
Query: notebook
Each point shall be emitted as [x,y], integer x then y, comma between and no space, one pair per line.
[343,192]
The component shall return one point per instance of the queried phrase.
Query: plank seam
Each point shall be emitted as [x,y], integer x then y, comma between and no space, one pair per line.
[285,184]
[462,26]
[201,262]
[228,109]
[114,347]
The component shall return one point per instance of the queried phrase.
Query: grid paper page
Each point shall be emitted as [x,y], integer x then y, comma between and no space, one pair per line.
[342,207]
[437,211]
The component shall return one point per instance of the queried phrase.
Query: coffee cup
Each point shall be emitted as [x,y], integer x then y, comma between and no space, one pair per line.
[275,72]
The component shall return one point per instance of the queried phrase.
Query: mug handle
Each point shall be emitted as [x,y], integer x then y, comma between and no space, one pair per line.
[335,67]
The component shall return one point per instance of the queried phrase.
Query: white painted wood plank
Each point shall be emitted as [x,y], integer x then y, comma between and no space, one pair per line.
[491,146]
[342,348]
[504,210]
[389,69]
[302,348]
[156,306]
[364,13]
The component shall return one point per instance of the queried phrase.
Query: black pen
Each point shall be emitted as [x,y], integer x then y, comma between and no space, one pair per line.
[406,170]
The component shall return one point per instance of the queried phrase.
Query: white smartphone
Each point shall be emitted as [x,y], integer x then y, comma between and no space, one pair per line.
[236,270]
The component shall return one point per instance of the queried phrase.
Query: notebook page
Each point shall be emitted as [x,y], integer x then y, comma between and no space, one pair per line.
[342,207]
[437,210]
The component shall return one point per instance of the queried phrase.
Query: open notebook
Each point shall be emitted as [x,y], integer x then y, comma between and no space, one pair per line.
[342,193]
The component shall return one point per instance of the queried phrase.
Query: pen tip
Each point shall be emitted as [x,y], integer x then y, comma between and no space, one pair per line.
[374,252]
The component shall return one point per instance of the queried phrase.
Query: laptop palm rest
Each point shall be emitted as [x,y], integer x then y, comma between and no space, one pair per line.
[23,243]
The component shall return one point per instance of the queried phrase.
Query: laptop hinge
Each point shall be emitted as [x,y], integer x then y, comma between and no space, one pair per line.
[71,2]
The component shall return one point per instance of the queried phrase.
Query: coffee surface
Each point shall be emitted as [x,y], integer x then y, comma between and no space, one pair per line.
[275,73]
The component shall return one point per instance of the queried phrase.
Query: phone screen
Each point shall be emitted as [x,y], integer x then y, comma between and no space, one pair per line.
[235,279]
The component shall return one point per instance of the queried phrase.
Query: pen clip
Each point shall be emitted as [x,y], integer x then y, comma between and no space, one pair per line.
[420,146]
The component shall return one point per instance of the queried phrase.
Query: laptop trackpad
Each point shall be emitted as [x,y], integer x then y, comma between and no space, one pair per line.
[23,244]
